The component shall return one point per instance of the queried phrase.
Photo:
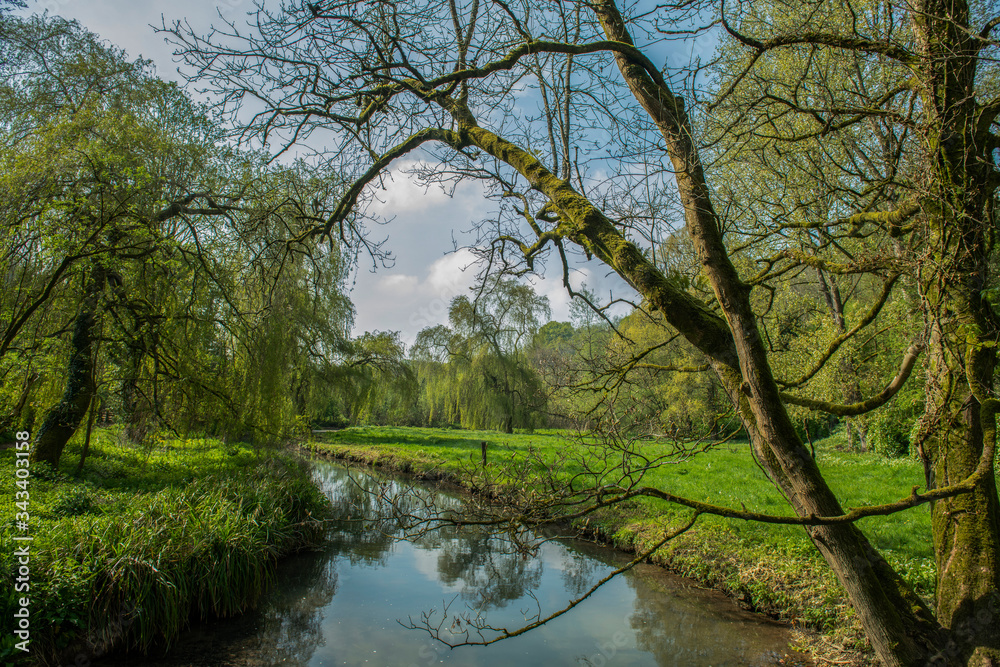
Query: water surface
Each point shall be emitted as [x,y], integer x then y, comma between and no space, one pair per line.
[350,603]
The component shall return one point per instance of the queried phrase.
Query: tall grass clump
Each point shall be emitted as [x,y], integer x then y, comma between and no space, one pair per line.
[129,554]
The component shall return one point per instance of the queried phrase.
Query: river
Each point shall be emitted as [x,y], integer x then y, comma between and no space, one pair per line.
[350,603]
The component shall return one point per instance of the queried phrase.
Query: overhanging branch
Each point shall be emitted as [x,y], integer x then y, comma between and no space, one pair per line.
[842,410]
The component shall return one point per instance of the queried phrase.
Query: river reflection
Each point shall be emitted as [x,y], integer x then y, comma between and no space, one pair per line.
[348,604]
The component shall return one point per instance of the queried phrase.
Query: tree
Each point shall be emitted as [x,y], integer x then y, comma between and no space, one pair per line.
[99,157]
[372,380]
[390,80]
[163,253]
[479,368]
[923,92]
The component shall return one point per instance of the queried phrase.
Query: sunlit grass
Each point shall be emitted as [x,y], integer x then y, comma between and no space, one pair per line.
[725,475]
[145,539]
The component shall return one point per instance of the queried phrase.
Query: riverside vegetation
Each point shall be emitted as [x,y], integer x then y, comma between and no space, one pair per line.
[751,170]
[127,553]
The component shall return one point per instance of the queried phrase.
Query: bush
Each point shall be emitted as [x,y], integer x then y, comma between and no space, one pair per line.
[73,501]
[131,552]
[888,437]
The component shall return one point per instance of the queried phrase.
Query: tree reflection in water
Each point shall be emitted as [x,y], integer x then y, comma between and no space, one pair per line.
[290,625]
[364,524]
[491,572]
[492,575]
[345,604]
[578,572]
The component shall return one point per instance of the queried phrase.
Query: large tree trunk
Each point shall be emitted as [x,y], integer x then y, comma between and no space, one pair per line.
[900,627]
[960,220]
[897,623]
[508,423]
[62,421]
[966,528]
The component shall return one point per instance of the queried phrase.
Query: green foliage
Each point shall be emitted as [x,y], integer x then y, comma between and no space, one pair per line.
[72,500]
[215,315]
[373,384]
[128,559]
[477,373]
[888,437]
[658,383]
[554,335]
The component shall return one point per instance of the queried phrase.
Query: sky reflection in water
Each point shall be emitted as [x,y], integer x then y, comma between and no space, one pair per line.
[345,605]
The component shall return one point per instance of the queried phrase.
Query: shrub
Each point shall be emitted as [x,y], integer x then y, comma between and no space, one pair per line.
[195,533]
[73,501]
[888,437]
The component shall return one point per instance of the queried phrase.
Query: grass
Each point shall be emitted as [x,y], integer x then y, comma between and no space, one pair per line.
[770,568]
[145,539]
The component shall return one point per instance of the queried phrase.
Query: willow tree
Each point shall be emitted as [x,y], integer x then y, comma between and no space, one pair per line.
[450,78]
[98,157]
[477,372]
[136,241]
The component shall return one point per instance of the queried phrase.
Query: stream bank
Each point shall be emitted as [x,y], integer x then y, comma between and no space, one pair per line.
[368,597]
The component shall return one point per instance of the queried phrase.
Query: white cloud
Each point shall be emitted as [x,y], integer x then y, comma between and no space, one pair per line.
[404,302]
[417,291]
[401,192]
[453,273]
[398,283]
[408,303]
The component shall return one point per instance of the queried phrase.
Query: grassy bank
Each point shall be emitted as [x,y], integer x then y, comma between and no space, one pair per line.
[769,568]
[144,540]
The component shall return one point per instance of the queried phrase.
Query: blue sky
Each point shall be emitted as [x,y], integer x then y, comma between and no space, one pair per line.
[426,224]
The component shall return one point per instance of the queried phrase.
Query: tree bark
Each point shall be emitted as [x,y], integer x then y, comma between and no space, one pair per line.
[962,359]
[899,626]
[62,421]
